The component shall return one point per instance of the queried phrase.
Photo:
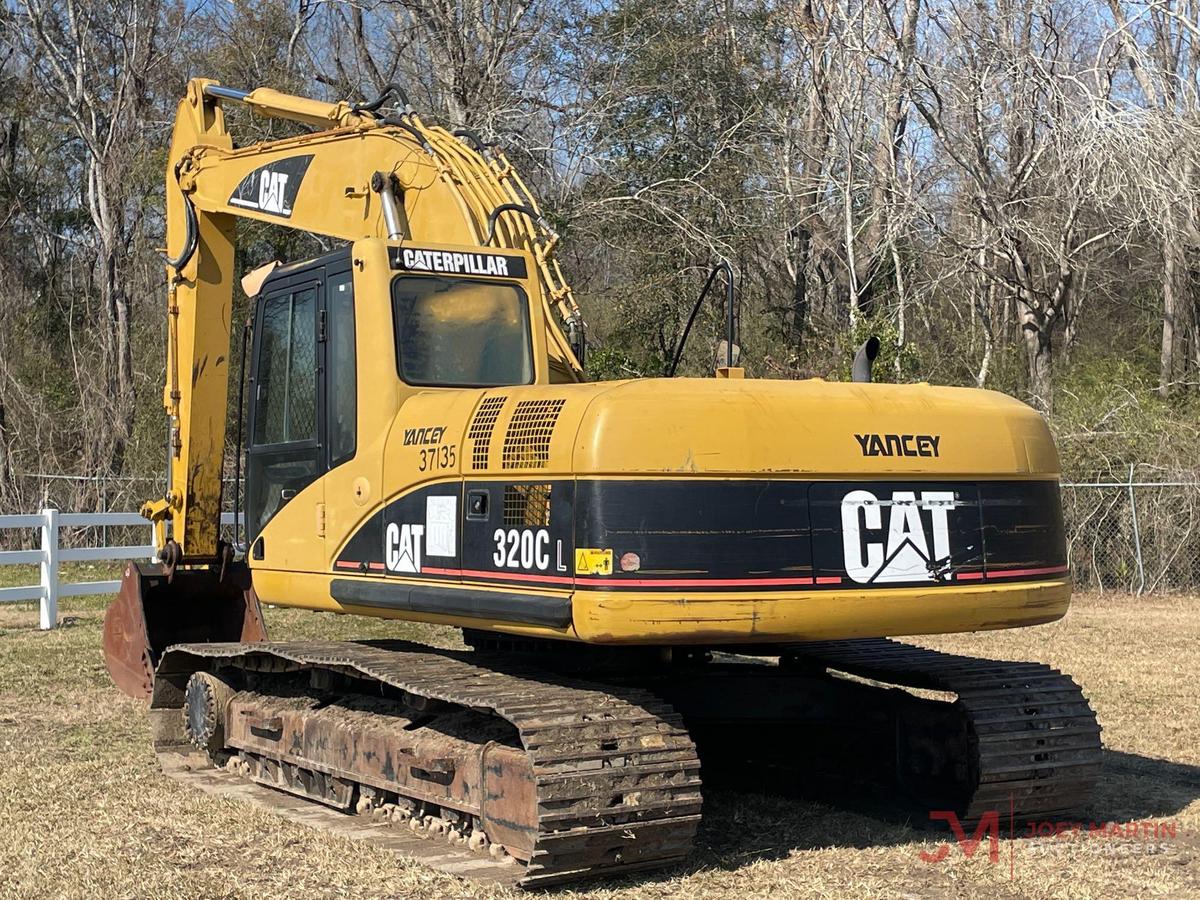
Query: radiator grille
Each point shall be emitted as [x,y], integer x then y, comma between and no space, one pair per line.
[480,433]
[526,505]
[527,441]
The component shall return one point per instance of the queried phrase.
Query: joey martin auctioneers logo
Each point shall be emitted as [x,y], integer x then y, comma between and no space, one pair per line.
[1109,838]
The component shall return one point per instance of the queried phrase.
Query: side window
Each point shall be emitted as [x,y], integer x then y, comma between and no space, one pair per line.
[342,380]
[286,387]
[454,332]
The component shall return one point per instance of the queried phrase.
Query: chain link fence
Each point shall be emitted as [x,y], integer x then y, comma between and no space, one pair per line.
[1127,536]
[1135,536]
[88,493]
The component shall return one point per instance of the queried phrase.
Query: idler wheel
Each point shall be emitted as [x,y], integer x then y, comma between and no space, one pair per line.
[205,700]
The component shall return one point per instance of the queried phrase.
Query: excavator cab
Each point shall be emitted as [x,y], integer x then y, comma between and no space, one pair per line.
[339,343]
[342,341]
[302,385]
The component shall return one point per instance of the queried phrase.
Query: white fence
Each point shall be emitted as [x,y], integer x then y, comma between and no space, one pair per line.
[50,586]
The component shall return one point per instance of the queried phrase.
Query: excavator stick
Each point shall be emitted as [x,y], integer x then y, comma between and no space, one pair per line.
[154,611]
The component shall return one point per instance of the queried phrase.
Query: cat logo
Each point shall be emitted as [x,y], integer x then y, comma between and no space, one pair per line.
[914,546]
[402,547]
[272,188]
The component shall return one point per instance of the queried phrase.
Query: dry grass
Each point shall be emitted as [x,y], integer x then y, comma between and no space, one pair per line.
[84,812]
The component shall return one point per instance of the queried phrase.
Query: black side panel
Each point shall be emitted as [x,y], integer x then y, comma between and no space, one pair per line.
[895,533]
[687,528]
[272,188]
[709,534]
[1022,526]
[364,551]
[413,535]
[526,528]
[420,532]
[525,609]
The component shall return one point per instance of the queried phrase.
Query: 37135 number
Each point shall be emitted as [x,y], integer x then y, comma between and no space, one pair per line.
[434,458]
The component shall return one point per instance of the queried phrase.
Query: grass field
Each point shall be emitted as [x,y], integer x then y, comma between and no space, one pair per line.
[85,813]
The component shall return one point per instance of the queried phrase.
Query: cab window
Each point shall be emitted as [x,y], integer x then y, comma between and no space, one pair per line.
[284,455]
[287,380]
[461,333]
[341,393]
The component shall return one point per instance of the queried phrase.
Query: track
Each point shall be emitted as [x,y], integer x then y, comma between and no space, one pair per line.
[615,778]
[193,769]
[471,754]
[1032,738]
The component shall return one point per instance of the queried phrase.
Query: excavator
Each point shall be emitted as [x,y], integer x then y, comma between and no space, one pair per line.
[654,578]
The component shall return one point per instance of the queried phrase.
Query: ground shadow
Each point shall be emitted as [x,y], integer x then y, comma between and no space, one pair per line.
[761,802]
[742,827]
[1131,788]
[1134,787]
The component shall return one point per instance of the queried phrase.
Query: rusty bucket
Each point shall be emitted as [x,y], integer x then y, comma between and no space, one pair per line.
[151,613]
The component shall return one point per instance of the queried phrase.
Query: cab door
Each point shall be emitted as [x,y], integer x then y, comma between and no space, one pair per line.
[352,465]
[285,458]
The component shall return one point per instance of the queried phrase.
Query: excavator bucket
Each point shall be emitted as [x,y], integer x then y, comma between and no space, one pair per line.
[151,613]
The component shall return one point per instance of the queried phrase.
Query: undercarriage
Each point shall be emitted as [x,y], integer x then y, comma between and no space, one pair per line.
[520,771]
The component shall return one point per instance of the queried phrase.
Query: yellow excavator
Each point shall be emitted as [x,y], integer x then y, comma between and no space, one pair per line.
[649,575]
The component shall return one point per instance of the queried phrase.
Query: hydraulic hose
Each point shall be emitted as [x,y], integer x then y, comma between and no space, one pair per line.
[237,456]
[515,207]
[190,239]
[722,266]
[389,90]
[399,122]
[473,140]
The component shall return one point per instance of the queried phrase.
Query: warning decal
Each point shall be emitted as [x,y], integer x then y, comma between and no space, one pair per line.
[591,561]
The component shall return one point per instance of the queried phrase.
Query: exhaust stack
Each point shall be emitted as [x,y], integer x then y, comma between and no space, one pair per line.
[864,359]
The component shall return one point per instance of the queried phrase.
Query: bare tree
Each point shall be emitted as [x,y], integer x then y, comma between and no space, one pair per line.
[1008,193]
[1161,50]
[94,61]
[1000,103]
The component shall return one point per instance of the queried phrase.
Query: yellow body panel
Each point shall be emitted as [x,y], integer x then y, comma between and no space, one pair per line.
[818,616]
[697,429]
[729,618]
[758,426]
[446,193]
